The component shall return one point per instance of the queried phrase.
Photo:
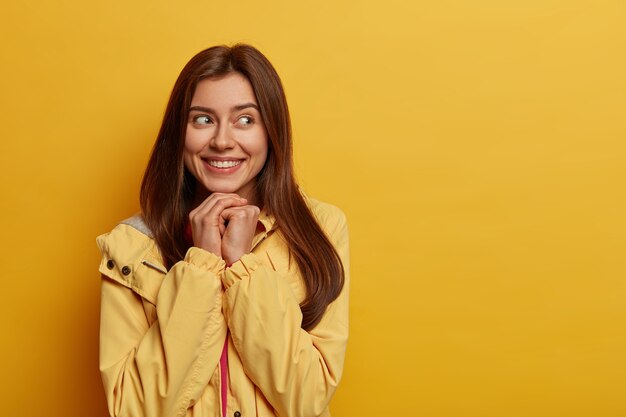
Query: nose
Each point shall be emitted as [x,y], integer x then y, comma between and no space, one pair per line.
[222,138]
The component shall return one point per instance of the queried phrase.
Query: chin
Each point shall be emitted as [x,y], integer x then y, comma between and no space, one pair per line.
[224,190]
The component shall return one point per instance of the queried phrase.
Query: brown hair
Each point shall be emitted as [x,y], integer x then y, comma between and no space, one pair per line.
[168,189]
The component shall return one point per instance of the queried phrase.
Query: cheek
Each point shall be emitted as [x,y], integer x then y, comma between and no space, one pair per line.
[193,140]
[260,149]
[255,145]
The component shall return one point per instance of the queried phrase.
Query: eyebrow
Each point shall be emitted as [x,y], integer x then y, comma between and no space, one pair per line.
[234,108]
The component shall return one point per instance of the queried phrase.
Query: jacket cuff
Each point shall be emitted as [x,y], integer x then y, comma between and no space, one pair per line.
[205,260]
[241,269]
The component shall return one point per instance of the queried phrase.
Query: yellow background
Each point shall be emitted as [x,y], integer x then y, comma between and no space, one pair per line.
[478,148]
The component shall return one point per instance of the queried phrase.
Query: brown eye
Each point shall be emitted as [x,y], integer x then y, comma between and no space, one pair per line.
[245,120]
[202,120]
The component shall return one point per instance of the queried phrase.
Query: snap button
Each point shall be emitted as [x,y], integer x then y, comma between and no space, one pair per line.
[237,414]
[110,264]
[126,270]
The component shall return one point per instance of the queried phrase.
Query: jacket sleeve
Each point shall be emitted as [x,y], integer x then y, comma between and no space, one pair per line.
[297,371]
[159,366]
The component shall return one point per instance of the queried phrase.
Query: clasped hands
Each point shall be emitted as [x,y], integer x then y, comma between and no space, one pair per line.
[224,224]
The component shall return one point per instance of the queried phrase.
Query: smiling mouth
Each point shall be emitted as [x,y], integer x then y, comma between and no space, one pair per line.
[223,164]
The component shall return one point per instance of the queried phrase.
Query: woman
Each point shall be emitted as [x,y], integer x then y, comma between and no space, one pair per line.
[228,295]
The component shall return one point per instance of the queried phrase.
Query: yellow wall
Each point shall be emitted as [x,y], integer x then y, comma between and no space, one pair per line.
[478,148]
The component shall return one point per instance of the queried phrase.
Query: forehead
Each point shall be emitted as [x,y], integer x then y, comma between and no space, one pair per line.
[226,91]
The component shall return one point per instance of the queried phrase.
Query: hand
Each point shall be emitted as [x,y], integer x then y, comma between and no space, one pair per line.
[207,222]
[237,238]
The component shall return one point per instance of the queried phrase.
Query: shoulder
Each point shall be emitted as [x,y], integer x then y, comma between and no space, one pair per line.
[130,257]
[129,236]
[137,222]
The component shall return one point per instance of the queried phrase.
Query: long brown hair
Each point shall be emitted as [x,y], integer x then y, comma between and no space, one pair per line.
[168,189]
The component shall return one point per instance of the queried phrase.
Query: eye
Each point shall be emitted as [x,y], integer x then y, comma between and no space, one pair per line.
[202,120]
[245,120]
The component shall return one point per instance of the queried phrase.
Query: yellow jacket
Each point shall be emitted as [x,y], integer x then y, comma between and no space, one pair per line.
[162,332]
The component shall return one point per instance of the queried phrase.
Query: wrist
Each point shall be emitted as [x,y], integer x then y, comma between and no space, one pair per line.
[204,259]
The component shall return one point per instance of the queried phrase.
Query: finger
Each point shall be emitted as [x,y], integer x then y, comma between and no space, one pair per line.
[207,227]
[240,220]
[237,239]
[213,205]
[213,198]
[240,212]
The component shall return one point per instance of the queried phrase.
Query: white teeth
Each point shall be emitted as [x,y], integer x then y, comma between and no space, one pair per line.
[224,164]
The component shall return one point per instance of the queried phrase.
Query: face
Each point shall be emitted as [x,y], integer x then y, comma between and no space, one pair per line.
[226,141]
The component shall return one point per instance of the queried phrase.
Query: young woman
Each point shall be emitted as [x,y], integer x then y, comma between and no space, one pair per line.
[228,294]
